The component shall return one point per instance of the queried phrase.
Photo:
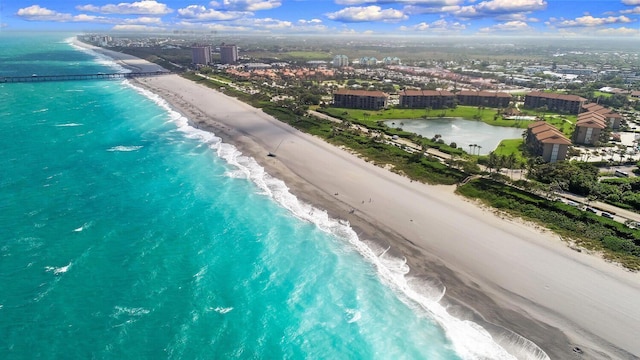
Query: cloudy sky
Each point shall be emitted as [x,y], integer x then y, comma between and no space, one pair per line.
[410,17]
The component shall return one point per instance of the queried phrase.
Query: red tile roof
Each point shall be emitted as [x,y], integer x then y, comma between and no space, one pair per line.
[484,94]
[548,134]
[411,92]
[352,92]
[556,96]
[552,136]
[591,123]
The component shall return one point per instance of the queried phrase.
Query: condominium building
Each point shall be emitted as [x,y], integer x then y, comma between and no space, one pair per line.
[422,99]
[588,128]
[570,104]
[340,61]
[612,118]
[547,142]
[201,55]
[360,99]
[228,54]
[483,98]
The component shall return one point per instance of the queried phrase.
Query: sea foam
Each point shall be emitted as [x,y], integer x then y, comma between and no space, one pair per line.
[470,340]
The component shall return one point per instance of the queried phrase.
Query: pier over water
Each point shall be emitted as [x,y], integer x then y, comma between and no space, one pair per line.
[98,76]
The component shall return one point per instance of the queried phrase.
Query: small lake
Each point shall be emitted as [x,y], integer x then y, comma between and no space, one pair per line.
[460,131]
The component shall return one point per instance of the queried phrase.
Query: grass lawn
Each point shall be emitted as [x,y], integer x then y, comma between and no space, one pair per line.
[486,115]
[510,146]
[601,94]
[564,123]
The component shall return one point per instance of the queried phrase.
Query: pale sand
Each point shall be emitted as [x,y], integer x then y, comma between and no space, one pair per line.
[496,271]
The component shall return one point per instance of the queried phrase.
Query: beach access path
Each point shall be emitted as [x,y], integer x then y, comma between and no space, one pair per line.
[498,271]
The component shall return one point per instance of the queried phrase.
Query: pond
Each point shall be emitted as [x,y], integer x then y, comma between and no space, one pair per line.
[460,131]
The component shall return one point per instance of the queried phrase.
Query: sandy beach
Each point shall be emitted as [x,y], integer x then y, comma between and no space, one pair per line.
[499,272]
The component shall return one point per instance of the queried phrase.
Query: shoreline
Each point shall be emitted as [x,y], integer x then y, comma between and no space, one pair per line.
[428,225]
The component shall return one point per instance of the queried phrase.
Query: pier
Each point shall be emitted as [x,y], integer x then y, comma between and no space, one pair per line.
[97,76]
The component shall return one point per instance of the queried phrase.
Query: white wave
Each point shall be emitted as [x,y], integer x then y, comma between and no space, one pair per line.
[354,315]
[74,90]
[83,227]
[40,110]
[58,270]
[68,125]
[123,310]
[121,148]
[222,310]
[469,339]
[99,58]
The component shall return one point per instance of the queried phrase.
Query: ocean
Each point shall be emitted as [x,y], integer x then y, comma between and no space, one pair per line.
[127,234]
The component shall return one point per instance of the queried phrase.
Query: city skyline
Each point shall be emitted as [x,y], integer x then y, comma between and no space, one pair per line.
[616,18]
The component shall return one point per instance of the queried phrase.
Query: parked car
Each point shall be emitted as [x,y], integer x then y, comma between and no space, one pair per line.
[591,210]
[572,203]
[607,215]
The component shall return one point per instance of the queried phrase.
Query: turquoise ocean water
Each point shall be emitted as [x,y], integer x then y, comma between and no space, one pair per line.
[126,234]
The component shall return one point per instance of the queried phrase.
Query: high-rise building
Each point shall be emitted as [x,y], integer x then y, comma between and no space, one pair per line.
[201,54]
[340,61]
[228,54]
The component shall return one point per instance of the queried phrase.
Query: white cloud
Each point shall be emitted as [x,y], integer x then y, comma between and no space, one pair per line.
[200,13]
[367,13]
[635,10]
[517,17]
[621,31]
[37,13]
[516,25]
[144,7]
[248,5]
[93,19]
[272,24]
[631,2]
[309,22]
[590,21]
[436,26]
[500,7]
[436,3]
[137,28]
[211,26]
[144,20]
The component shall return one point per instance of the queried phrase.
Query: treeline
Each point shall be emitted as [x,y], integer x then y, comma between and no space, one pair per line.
[582,179]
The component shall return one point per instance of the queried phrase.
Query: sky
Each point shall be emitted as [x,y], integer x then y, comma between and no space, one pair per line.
[613,18]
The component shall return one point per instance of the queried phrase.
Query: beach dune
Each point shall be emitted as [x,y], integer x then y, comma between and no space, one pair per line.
[499,272]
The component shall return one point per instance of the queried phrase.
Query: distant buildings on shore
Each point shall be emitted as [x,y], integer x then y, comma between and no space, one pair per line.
[201,54]
[228,54]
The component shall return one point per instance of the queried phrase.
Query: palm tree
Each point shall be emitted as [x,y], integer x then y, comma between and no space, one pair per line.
[510,160]
[479,147]
[492,161]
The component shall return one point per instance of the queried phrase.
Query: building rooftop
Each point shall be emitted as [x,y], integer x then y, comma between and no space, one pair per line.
[410,92]
[484,94]
[566,97]
[375,93]
[547,134]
